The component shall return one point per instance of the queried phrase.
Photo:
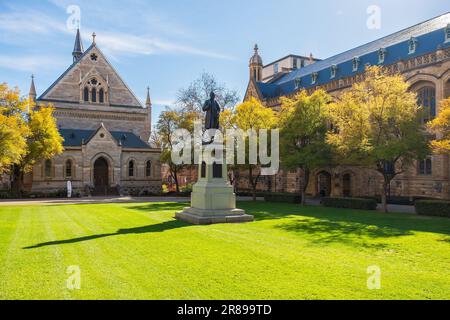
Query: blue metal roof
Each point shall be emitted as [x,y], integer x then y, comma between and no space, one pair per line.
[76,137]
[429,35]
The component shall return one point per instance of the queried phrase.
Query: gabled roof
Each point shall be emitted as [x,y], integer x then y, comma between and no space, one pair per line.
[429,35]
[78,137]
[43,96]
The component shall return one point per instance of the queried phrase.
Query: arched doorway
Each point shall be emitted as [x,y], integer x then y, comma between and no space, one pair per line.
[101,176]
[347,185]
[324,184]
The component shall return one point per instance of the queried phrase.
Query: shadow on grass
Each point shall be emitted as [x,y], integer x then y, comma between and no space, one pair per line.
[332,221]
[160,227]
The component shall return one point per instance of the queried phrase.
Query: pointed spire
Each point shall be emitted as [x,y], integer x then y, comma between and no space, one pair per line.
[32,93]
[148,102]
[78,47]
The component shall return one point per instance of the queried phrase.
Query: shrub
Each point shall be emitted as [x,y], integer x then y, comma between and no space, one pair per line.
[350,203]
[433,208]
[283,197]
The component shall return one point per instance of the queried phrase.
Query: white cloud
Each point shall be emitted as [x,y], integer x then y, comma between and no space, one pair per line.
[31,63]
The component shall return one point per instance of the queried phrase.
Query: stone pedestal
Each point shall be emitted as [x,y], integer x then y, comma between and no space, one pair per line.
[213,199]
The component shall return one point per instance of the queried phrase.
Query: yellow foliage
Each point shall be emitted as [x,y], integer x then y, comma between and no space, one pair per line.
[440,126]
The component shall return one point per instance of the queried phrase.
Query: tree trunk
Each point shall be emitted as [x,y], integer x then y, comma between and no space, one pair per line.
[175,178]
[17,182]
[305,185]
[252,183]
[384,194]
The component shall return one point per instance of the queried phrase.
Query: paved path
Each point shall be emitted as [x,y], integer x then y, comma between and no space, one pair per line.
[93,200]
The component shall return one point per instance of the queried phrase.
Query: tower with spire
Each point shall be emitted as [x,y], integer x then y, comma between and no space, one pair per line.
[32,93]
[78,47]
[256,65]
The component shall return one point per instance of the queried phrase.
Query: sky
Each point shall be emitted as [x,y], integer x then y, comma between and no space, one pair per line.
[167,44]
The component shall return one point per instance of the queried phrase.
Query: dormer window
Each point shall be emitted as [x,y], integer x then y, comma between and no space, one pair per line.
[314,77]
[412,45]
[355,64]
[298,82]
[447,33]
[333,71]
[275,68]
[381,55]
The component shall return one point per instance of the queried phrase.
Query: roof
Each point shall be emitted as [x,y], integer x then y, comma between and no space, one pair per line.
[429,36]
[291,56]
[77,137]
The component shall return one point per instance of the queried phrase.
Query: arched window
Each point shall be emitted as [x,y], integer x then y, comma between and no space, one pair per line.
[425,167]
[101,96]
[86,94]
[148,169]
[94,95]
[68,168]
[426,97]
[131,168]
[48,168]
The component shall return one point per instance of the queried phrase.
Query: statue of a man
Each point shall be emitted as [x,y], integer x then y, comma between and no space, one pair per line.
[212,109]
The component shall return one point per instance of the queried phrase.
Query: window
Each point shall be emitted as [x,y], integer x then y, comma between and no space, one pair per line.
[314,77]
[297,82]
[131,168]
[381,55]
[101,96]
[447,33]
[148,169]
[94,95]
[93,57]
[86,94]
[425,167]
[295,65]
[275,68]
[48,168]
[426,97]
[333,71]
[388,167]
[302,63]
[412,45]
[355,64]
[68,168]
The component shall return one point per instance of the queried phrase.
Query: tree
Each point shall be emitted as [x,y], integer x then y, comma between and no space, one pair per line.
[43,142]
[440,126]
[13,128]
[303,124]
[193,97]
[250,115]
[378,125]
[169,121]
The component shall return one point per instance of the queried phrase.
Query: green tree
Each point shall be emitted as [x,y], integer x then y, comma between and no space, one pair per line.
[378,126]
[303,124]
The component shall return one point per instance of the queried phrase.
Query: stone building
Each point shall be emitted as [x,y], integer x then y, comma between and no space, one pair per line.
[421,53]
[106,130]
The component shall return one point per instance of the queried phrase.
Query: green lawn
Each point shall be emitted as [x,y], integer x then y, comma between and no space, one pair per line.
[138,251]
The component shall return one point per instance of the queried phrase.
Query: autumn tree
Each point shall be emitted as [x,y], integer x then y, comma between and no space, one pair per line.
[303,125]
[13,127]
[247,116]
[440,126]
[43,142]
[378,125]
[169,121]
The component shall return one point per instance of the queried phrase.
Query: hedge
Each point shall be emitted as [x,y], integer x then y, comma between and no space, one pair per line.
[283,197]
[350,203]
[433,208]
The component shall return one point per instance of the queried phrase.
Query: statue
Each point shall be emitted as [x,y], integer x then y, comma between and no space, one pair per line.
[212,109]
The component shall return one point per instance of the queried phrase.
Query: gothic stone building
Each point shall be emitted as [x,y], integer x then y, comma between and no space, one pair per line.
[421,53]
[105,129]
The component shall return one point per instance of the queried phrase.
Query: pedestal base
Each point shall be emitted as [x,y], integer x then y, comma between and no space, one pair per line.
[203,217]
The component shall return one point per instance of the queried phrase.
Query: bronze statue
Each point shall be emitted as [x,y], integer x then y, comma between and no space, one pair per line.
[212,109]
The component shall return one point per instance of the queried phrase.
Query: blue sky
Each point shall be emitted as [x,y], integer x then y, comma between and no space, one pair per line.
[167,44]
